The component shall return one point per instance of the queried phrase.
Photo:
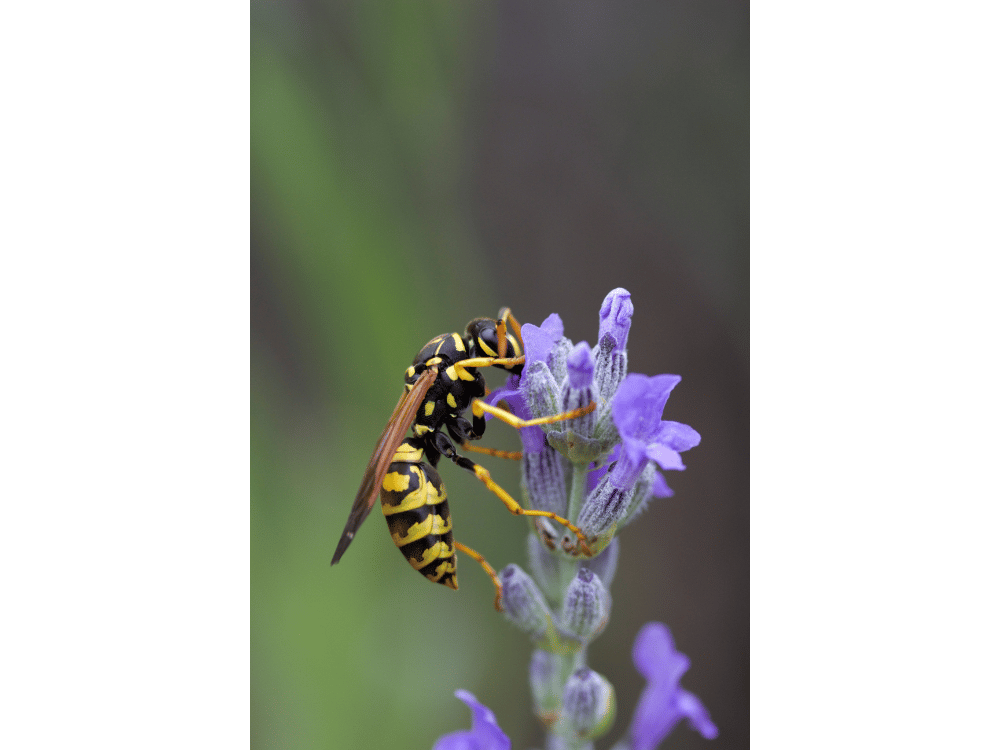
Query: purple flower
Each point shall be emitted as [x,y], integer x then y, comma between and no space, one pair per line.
[580,365]
[636,410]
[532,437]
[539,340]
[664,702]
[616,317]
[485,733]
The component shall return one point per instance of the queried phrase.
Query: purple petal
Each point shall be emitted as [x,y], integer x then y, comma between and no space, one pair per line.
[680,437]
[509,389]
[634,452]
[660,709]
[667,458]
[638,404]
[484,735]
[553,326]
[538,341]
[660,488]
[616,316]
[580,365]
[694,710]
[656,658]
[655,715]
[663,702]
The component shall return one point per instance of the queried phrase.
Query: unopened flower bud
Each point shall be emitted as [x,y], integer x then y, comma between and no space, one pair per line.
[558,359]
[546,676]
[616,316]
[604,508]
[586,607]
[524,605]
[610,367]
[644,491]
[588,703]
[577,391]
[610,355]
[541,390]
[580,366]
[543,480]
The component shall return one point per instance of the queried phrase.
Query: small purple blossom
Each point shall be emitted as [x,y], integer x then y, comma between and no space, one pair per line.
[664,702]
[637,408]
[580,365]
[485,733]
[540,340]
[616,317]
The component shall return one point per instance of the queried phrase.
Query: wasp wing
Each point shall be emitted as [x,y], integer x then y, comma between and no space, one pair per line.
[393,435]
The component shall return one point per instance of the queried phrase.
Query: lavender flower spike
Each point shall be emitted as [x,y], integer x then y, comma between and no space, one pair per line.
[664,702]
[485,733]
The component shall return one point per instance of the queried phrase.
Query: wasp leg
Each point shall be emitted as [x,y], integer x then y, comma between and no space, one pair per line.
[513,455]
[489,571]
[506,318]
[479,407]
[443,444]
[463,432]
[485,362]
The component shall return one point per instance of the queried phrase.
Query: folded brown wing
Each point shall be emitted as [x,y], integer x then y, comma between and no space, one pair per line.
[393,435]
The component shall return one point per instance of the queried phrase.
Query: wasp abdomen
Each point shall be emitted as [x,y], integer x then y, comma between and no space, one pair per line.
[415,505]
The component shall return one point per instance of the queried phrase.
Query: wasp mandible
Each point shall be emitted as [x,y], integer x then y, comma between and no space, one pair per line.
[443,381]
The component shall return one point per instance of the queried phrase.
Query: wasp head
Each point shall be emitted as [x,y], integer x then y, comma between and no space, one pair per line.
[482,341]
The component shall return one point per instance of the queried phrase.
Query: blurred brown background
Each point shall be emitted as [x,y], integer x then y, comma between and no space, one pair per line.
[415,165]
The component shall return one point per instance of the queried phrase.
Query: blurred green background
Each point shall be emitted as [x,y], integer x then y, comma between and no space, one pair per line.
[415,165]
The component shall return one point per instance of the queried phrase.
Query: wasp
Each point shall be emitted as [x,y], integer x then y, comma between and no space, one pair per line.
[441,384]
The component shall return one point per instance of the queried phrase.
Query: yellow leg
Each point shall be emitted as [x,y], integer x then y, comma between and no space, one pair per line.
[479,407]
[489,571]
[513,455]
[506,318]
[488,362]
[514,507]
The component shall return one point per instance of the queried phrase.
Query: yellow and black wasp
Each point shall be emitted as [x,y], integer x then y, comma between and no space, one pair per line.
[443,381]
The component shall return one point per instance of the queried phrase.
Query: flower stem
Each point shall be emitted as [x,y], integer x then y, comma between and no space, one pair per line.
[577,490]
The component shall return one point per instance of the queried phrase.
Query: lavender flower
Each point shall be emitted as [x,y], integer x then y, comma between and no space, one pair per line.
[598,471]
[664,702]
[637,408]
[646,439]
[485,733]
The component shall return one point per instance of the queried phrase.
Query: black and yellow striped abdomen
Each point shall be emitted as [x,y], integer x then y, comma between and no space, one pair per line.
[415,505]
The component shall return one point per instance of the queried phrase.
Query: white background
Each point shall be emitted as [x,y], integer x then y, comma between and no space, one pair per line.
[124,311]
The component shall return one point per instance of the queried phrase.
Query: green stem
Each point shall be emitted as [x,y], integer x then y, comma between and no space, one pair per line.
[577,489]
[567,571]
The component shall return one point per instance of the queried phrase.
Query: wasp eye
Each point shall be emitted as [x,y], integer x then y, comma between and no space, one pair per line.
[488,343]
